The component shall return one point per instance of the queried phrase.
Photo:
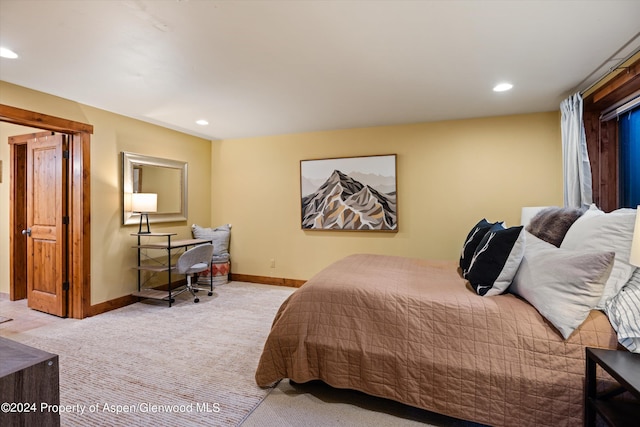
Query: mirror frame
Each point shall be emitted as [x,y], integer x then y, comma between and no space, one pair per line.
[129,161]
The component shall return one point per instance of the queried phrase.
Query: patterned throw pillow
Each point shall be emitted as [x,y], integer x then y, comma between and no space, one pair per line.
[471,243]
[496,260]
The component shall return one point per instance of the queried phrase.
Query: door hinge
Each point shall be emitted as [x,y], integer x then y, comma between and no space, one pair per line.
[65,220]
[65,154]
[65,286]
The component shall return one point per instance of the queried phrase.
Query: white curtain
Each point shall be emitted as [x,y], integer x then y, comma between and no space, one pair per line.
[575,159]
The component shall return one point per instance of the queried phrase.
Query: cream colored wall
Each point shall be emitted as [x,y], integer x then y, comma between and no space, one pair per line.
[111,252]
[450,175]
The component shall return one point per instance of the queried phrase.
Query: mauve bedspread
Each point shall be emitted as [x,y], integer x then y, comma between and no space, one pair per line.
[410,330]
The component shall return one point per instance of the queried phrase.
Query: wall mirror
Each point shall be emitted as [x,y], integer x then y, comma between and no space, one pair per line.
[146,174]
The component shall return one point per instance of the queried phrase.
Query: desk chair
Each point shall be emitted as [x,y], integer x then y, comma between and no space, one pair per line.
[192,262]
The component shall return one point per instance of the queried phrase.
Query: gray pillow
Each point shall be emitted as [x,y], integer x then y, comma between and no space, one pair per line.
[563,285]
[219,236]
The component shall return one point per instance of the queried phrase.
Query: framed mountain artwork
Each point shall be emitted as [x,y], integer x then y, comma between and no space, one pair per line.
[349,193]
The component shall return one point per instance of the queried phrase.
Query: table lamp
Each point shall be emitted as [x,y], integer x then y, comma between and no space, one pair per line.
[634,258]
[143,203]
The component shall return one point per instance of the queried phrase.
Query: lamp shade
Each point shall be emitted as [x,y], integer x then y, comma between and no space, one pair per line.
[144,202]
[634,258]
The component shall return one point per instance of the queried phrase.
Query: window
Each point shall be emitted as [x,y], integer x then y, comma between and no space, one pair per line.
[629,158]
[615,164]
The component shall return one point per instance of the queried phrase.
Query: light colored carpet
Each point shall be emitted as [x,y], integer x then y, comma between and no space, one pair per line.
[4,319]
[147,364]
[190,359]
[317,404]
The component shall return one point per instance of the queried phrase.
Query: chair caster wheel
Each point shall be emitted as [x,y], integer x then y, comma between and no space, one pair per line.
[196,290]
[210,293]
[196,300]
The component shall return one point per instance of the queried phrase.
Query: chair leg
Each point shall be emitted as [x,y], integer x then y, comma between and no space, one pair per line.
[191,289]
[197,287]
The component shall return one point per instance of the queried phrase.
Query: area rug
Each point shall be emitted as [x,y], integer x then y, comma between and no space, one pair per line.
[148,364]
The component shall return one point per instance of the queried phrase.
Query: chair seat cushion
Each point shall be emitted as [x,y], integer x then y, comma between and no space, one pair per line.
[197,268]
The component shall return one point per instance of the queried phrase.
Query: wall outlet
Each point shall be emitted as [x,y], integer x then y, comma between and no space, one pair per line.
[272,263]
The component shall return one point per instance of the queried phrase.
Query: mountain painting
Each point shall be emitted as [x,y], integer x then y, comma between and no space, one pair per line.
[349,193]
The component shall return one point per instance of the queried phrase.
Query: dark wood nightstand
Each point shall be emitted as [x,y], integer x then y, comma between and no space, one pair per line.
[624,367]
[29,386]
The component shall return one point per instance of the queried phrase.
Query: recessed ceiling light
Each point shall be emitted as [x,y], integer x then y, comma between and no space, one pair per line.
[7,53]
[502,87]
[202,122]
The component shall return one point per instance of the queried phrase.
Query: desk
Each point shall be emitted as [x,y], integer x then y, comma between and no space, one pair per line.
[624,367]
[29,383]
[168,245]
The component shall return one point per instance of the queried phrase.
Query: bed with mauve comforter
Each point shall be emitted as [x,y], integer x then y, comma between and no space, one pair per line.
[413,331]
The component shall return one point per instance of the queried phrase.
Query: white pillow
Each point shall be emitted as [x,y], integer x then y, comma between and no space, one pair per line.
[606,232]
[564,286]
[591,212]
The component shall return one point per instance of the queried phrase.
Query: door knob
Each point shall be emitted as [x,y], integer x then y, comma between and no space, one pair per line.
[26,232]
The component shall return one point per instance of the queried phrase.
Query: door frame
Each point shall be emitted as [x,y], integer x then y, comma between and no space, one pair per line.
[79,248]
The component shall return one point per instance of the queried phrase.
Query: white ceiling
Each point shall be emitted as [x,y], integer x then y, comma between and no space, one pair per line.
[255,68]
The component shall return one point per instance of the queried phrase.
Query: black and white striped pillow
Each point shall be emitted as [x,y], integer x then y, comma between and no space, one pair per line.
[623,311]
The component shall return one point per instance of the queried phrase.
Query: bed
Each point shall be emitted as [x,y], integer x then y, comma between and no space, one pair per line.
[417,332]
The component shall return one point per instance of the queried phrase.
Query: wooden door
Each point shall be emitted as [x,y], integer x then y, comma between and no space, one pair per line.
[46,231]
[79,209]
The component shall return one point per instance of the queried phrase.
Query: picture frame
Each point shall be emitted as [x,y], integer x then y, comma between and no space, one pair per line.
[349,193]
